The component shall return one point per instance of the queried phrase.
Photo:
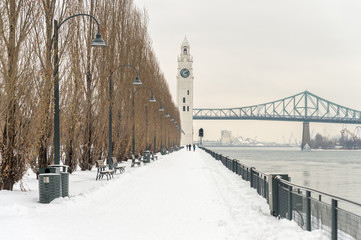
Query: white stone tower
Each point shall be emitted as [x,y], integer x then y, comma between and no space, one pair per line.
[185,92]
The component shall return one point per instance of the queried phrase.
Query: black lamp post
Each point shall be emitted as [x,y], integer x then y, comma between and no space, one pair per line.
[166,144]
[152,99]
[160,109]
[135,82]
[161,132]
[172,120]
[175,134]
[97,42]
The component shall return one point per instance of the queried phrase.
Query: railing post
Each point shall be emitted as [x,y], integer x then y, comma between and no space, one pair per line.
[334,219]
[273,192]
[308,210]
[264,187]
[251,179]
[290,203]
[248,174]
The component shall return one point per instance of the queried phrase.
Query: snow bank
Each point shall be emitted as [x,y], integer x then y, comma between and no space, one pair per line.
[185,195]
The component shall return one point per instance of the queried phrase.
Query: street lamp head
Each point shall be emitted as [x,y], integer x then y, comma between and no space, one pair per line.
[137,81]
[161,109]
[167,115]
[152,99]
[98,41]
[172,119]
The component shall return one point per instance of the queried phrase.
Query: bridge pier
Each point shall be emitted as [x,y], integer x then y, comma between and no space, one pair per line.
[306,140]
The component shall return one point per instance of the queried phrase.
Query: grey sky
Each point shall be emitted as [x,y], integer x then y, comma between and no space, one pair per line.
[256,51]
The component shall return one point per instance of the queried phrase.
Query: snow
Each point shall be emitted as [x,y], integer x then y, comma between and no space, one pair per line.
[184,195]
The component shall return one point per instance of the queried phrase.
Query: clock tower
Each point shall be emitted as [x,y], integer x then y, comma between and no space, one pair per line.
[185,92]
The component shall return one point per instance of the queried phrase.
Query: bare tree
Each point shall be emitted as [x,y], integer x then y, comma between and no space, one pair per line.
[15,25]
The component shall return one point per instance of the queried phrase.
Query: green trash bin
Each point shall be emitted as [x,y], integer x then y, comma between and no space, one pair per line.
[49,187]
[163,152]
[63,169]
[146,156]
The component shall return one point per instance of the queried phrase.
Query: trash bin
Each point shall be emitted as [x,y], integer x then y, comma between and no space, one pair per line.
[64,178]
[163,152]
[49,186]
[146,156]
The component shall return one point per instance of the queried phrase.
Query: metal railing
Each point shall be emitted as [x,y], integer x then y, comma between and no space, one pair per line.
[311,209]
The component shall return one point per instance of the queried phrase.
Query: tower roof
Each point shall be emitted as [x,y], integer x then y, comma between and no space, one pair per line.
[185,41]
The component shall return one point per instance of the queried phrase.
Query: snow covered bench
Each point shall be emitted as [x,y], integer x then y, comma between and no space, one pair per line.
[136,161]
[154,156]
[103,170]
[116,166]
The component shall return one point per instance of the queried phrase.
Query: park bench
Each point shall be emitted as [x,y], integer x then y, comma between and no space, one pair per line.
[117,166]
[103,170]
[136,161]
[154,156]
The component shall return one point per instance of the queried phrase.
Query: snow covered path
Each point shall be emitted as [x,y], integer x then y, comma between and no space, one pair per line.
[184,195]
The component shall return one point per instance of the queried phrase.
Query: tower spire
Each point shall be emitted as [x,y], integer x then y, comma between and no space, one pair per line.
[185,47]
[185,41]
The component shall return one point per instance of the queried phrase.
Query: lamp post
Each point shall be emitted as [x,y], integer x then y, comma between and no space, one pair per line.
[172,120]
[161,133]
[165,137]
[175,134]
[152,99]
[160,109]
[135,82]
[97,42]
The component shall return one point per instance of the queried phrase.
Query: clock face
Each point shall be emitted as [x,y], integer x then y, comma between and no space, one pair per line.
[184,72]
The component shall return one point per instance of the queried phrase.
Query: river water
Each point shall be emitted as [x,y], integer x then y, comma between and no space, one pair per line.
[337,172]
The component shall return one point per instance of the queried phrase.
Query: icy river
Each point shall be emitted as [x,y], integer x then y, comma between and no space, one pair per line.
[337,172]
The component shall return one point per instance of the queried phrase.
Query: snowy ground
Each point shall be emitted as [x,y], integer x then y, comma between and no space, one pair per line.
[184,195]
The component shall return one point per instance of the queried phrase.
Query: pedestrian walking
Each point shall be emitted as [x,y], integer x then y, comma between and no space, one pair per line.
[194,147]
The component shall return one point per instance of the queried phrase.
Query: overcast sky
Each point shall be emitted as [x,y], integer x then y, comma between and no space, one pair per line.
[248,52]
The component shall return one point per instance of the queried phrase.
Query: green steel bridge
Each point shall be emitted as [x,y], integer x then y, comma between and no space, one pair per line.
[304,107]
[301,107]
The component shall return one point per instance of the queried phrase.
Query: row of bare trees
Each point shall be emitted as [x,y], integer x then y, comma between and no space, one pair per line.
[26,85]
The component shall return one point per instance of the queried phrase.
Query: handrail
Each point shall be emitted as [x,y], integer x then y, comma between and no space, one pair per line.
[320,192]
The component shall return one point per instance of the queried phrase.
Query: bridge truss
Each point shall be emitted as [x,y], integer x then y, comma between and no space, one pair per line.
[302,107]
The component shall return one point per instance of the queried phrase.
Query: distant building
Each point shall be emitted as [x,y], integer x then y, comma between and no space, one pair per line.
[226,137]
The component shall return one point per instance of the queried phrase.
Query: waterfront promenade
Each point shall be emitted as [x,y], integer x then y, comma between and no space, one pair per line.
[184,195]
